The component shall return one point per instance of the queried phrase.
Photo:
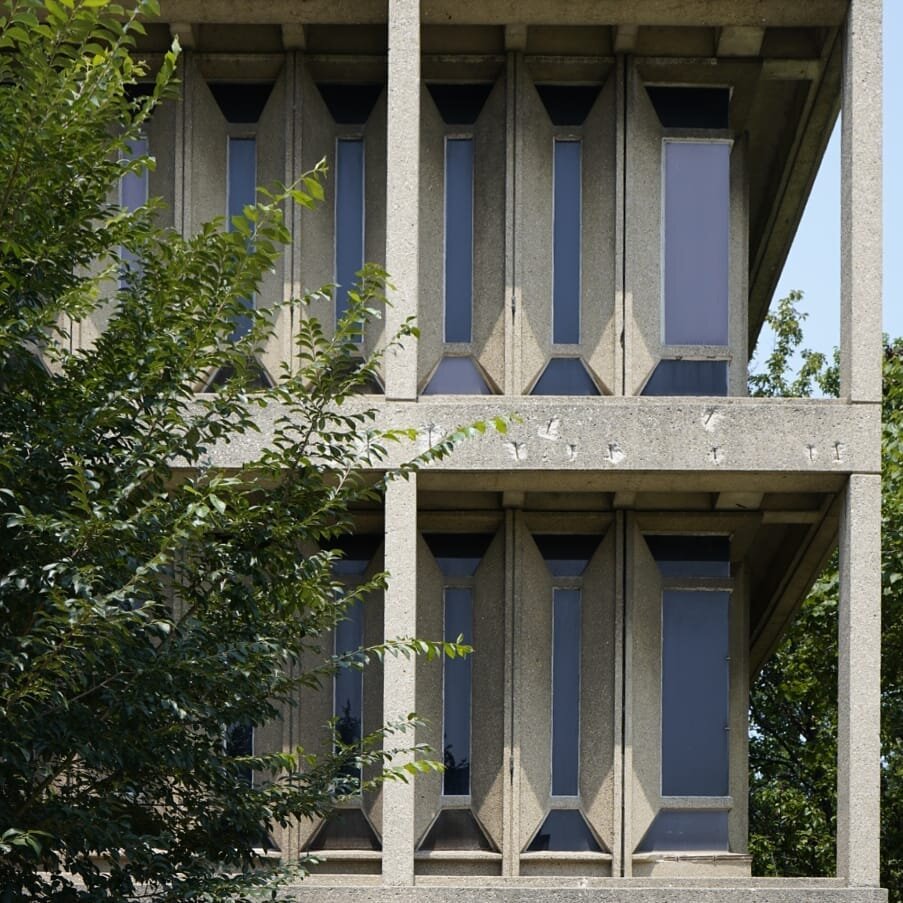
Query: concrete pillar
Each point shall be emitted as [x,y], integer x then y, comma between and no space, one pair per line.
[861,224]
[399,684]
[859,683]
[402,190]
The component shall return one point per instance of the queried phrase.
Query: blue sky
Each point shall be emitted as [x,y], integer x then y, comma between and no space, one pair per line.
[813,265]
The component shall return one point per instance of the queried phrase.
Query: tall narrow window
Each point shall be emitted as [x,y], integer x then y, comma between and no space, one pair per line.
[564,827]
[349,218]
[565,690]
[458,556]
[133,190]
[458,239]
[241,191]
[348,684]
[697,238]
[456,693]
[566,256]
[695,663]
[695,693]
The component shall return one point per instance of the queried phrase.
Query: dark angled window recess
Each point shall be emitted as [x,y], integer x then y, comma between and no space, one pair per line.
[345,829]
[678,377]
[350,104]
[457,829]
[680,107]
[458,376]
[565,376]
[241,102]
[686,830]
[460,104]
[565,830]
[568,104]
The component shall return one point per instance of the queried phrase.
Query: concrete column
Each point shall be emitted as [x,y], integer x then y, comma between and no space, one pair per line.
[402,190]
[859,683]
[399,684]
[861,224]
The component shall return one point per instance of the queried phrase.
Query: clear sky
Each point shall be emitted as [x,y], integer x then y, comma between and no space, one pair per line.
[813,265]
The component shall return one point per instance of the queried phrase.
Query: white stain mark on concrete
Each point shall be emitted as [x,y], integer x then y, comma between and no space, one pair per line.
[614,453]
[551,430]
[711,419]
[517,450]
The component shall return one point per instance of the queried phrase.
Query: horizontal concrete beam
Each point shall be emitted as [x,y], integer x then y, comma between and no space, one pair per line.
[600,890]
[626,435]
[712,13]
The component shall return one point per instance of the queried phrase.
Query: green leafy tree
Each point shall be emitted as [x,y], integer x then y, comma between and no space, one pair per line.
[149,602]
[793,705]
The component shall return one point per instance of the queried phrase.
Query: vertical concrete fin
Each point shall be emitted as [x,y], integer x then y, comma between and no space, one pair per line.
[861,222]
[859,684]
[402,190]
[399,672]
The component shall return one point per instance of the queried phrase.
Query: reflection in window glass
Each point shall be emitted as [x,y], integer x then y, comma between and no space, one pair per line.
[691,556]
[133,191]
[456,693]
[697,234]
[565,691]
[458,239]
[349,682]
[458,556]
[349,218]
[457,829]
[565,830]
[695,683]
[677,830]
[241,191]
[240,742]
[566,243]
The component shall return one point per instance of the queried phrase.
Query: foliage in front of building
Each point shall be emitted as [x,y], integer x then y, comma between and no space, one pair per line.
[151,601]
[793,705]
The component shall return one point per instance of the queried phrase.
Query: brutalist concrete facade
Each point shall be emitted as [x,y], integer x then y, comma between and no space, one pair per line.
[777,482]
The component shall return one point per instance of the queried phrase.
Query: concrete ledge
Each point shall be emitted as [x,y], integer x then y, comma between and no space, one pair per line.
[626,435]
[594,891]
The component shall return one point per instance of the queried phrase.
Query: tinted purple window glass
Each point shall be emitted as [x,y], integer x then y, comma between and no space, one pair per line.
[697,234]
[349,218]
[457,684]
[457,376]
[348,700]
[241,191]
[675,830]
[688,378]
[565,376]
[695,682]
[133,190]
[565,691]
[458,239]
[566,243]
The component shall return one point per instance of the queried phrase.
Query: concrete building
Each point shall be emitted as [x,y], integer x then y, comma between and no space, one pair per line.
[587,205]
